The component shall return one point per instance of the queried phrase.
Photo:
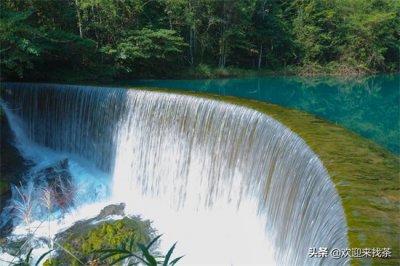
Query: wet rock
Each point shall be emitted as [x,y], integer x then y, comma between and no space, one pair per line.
[113,209]
[6,226]
[5,193]
[12,164]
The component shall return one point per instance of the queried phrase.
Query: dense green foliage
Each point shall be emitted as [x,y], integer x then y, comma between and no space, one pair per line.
[87,39]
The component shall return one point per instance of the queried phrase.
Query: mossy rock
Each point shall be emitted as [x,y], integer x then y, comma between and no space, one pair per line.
[85,238]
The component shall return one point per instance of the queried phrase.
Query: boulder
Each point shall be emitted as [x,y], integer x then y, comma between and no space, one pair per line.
[113,209]
[86,237]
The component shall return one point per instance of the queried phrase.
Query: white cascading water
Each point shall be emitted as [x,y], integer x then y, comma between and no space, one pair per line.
[230,184]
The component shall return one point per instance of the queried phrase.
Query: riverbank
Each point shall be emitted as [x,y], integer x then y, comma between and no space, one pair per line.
[104,74]
[203,71]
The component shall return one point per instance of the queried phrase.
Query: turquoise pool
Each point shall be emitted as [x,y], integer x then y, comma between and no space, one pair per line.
[368,106]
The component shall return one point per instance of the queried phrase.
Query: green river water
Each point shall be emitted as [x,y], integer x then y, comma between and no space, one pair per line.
[368,106]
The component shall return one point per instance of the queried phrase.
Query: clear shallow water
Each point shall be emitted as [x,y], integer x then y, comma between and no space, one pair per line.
[368,106]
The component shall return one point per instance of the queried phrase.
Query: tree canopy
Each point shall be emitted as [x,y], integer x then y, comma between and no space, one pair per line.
[158,38]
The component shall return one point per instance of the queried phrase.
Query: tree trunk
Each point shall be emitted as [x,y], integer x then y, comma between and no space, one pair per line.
[222,50]
[78,14]
[260,56]
[221,60]
[191,41]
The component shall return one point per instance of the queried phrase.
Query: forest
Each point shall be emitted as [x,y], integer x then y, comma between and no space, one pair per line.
[77,40]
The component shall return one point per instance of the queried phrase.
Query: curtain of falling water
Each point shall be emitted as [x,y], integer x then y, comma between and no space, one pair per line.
[71,119]
[193,153]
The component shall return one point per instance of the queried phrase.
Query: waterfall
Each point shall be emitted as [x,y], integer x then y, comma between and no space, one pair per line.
[193,155]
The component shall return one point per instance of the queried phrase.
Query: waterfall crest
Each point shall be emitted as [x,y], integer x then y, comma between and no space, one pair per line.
[192,154]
